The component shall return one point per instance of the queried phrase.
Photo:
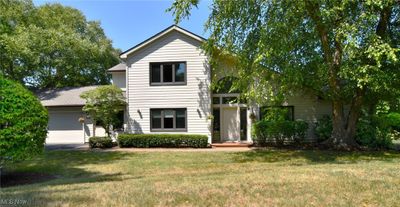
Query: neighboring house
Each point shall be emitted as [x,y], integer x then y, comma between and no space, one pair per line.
[67,122]
[167,80]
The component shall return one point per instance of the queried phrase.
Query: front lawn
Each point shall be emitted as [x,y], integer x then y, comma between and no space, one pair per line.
[256,178]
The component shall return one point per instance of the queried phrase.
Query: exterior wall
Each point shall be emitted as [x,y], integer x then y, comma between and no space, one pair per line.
[309,108]
[195,96]
[119,79]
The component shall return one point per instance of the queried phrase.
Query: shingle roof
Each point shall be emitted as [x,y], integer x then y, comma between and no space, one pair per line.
[118,67]
[68,96]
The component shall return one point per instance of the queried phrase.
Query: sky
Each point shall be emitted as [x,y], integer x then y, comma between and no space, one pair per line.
[129,22]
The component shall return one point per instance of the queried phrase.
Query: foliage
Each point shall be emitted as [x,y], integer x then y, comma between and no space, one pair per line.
[323,128]
[279,131]
[52,46]
[393,120]
[374,132]
[103,104]
[100,142]
[163,140]
[23,122]
[343,51]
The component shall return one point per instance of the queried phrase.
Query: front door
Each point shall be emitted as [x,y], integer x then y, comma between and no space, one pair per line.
[230,124]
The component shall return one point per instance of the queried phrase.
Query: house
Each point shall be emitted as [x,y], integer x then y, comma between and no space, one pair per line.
[166,80]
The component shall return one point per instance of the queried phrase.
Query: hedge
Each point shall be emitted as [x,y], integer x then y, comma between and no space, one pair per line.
[100,142]
[279,132]
[162,140]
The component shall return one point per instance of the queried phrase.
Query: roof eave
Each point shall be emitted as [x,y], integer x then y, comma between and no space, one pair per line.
[125,54]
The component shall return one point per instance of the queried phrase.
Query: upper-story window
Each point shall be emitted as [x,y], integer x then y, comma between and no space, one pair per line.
[171,73]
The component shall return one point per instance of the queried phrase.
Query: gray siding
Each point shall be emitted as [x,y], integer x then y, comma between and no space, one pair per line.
[195,96]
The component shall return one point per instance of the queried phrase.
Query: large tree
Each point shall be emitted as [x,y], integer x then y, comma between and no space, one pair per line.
[344,51]
[52,46]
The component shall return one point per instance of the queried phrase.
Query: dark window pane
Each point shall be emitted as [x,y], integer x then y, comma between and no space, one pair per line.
[181,118]
[156,119]
[243,124]
[180,72]
[229,100]
[168,119]
[216,136]
[216,100]
[277,111]
[155,73]
[167,73]
[119,120]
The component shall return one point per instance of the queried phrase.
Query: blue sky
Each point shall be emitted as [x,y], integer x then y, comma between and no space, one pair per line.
[128,22]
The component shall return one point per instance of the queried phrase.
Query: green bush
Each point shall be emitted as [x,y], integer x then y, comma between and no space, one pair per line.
[23,122]
[100,142]
[163,140]
[323,128]
[374,132]
[280,131]
[394,120]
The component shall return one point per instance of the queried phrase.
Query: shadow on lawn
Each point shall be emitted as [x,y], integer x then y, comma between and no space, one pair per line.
[314,156]
[61,167]
[56,168]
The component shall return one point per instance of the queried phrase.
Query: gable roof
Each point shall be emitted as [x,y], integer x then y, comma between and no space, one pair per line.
[120,67]
[68,96]
[157,36]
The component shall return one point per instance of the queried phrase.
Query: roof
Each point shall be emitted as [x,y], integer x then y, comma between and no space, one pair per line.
[158,35]
[69,96]
[120,67]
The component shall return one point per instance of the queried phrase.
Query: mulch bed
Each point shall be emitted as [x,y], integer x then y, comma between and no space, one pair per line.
[23,178]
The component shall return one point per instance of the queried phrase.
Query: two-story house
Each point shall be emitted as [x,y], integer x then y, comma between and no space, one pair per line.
[166,80]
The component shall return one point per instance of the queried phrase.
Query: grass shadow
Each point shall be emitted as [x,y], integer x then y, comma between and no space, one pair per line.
[63,165]
[314,156]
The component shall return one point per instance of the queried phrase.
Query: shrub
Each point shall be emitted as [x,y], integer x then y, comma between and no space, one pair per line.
[100,142]
[374,132]
[323,128]
[163,140]
[279,132]
[394,120]
[23,122]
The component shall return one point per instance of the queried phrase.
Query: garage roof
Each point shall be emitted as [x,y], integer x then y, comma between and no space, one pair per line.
[120,67]
[69,96]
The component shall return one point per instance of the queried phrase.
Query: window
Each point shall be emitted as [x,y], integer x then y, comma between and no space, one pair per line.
[288,111]
[172,73]
[168,119]
[243,124]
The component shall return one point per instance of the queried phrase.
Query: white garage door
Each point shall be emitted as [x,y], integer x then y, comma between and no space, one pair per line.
[64,127]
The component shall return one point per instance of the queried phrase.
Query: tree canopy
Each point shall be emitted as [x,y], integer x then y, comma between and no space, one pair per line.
[52,46]
[344,51]
[103,104]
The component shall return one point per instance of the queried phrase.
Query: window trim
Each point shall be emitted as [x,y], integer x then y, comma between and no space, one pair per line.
[162,129]
[162,83]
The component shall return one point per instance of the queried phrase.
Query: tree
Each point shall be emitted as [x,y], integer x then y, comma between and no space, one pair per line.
[344,51]
[23,122]
[103,105]
[52,46]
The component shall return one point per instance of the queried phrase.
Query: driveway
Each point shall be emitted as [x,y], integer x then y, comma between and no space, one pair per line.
[66,146]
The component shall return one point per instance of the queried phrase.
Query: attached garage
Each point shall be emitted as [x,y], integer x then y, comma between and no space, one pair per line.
[68,124]
[64,125]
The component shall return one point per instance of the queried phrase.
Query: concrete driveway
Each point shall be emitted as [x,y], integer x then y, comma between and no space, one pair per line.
[66,146]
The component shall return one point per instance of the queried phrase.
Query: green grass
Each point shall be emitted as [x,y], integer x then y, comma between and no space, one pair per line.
[255,178]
